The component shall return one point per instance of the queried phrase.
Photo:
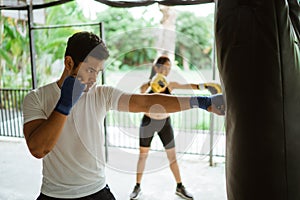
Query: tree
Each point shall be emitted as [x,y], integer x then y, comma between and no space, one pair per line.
[194,40]
[131,41]
[15,71]
[167,36]
[14,53]
[50,44]
[128,39]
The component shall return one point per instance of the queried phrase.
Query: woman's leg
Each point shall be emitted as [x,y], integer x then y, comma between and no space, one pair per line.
[171,154]
[141,163]
[135,194]
[166,135]
[146,135]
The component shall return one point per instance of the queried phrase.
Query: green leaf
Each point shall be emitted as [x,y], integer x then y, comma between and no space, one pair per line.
[6,57]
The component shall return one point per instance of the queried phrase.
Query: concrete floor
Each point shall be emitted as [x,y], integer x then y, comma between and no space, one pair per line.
[20,174]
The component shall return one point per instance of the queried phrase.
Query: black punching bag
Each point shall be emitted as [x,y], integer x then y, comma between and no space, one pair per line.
[257,45]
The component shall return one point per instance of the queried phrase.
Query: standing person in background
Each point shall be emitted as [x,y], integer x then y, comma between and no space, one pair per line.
[161,123]
[63,121]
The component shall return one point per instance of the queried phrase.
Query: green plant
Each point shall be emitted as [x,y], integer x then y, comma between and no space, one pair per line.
[203,125]
[14,53]
[194,40]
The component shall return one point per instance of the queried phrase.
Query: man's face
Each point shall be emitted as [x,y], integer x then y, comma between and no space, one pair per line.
[88,70]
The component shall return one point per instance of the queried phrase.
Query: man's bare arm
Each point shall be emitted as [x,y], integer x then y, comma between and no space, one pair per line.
[160,103]
[41,135]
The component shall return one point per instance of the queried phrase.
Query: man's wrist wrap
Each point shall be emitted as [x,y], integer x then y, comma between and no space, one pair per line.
[200,102]
[71,91]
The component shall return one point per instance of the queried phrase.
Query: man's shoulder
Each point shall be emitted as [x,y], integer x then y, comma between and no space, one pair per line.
[107,90]
[49,86]
[45,89]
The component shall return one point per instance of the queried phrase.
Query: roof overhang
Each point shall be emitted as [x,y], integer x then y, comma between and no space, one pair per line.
[37,4]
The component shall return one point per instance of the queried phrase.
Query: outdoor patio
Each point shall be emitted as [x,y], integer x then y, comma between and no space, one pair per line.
[20,174]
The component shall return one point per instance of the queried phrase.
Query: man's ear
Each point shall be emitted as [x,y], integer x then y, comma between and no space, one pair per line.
[69,63]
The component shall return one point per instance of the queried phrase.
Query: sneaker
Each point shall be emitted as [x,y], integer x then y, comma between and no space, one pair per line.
[181,191]
[136,193]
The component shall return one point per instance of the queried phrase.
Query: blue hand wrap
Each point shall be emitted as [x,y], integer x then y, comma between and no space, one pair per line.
[71,90]
[200,102]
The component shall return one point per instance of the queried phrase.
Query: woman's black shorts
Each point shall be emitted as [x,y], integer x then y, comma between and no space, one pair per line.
[162,127]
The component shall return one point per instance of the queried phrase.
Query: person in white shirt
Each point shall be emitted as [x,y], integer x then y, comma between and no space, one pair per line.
[63,121]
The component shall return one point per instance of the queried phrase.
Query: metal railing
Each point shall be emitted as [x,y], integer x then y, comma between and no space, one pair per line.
[11,112]
[191,131]
[191,128]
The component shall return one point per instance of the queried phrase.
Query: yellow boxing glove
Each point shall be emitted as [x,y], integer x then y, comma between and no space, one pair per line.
[213,88]
[158,83]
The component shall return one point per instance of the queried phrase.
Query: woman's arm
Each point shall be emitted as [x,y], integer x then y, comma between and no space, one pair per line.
[213,88]
[144,87]
[176,85]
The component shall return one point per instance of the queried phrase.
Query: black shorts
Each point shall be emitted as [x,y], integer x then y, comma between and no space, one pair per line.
[104,194]
[162,127]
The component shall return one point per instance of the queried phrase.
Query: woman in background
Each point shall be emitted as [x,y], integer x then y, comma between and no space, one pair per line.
[161,123]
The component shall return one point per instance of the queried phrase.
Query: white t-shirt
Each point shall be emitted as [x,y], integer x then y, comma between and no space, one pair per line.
[76,165]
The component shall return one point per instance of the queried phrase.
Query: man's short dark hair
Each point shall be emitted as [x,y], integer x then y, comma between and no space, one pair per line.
[83,44]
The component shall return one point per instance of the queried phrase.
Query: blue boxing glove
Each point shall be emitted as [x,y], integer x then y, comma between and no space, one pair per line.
[71,90]
[215,101]
[200,102]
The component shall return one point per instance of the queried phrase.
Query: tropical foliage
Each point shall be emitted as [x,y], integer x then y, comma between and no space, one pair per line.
[14,63]
[194,40]
[127,38]
[131,42]
[50,43]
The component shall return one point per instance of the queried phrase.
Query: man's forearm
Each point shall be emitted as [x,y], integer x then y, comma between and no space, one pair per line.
[42,136]
[160,103]
[153,103]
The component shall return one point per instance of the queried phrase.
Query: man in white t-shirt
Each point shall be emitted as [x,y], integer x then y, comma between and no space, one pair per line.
[63,121]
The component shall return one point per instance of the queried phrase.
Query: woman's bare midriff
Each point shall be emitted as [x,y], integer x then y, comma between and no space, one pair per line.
[158,116]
